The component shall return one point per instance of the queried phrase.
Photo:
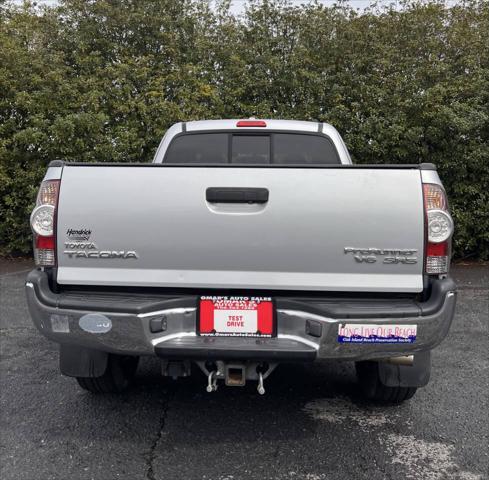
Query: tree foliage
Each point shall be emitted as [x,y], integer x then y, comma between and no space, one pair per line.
[101,80]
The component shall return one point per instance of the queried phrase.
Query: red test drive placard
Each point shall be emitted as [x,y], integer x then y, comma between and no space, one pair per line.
[236,316]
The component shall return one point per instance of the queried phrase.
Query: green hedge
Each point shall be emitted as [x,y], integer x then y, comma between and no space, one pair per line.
[103,80]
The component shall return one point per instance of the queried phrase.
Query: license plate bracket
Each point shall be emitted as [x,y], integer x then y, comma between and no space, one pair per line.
[236,316]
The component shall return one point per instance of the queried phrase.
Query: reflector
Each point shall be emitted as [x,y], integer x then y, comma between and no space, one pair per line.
[437,249]
[45,242]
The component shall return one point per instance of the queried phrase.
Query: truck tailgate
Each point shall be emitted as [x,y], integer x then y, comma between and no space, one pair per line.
[332,229]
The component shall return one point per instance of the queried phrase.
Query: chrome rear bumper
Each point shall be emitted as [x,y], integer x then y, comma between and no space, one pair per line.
[165,325]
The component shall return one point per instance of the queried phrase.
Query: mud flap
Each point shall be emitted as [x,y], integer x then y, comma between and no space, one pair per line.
[415,375]
[82,362]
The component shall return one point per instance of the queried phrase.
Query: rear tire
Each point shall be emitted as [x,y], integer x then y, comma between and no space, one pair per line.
[372,388]
[117,377]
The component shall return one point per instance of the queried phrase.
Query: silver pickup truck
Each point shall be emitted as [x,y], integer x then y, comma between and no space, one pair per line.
[246,243]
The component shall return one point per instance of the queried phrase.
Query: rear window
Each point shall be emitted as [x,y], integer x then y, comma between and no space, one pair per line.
[250,149]
[242,149]
[198,148]
[303,149]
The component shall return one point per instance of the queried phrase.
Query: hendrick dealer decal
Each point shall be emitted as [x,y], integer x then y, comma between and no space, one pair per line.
[373,333]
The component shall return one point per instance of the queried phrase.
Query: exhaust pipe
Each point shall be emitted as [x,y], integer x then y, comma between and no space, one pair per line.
[407,360]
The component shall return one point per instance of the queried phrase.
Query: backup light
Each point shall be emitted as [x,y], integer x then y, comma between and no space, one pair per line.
[440,226]
[42,220]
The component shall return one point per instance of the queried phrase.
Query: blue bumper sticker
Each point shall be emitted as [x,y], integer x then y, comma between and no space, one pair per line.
[375,333]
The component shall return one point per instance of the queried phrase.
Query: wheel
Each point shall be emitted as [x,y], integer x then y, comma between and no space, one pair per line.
[372,388]
[117,377]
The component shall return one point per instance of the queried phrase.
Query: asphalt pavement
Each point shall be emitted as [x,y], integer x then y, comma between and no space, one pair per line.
[310,424]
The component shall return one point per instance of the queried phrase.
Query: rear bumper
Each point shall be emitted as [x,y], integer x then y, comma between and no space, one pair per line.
[165,324]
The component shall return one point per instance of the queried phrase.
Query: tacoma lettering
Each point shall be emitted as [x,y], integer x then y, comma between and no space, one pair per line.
[101,254]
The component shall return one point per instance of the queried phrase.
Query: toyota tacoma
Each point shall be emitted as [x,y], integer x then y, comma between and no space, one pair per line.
[243,245]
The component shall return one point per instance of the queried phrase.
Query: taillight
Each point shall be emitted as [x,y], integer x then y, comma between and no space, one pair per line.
[43,224]
[439,229]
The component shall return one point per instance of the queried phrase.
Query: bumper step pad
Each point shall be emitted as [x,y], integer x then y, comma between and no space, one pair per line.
[238,348]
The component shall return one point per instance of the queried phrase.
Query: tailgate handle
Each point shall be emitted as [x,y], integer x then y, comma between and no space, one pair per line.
[236,195]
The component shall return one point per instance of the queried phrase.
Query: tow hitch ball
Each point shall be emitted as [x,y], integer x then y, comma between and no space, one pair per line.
[236,374]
